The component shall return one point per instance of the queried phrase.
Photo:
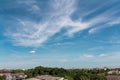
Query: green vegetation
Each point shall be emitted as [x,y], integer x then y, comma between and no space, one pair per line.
[3,77]
[17,71]
[68,77]
[70,74]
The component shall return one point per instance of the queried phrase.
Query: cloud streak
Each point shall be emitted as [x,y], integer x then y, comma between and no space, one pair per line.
[35,33]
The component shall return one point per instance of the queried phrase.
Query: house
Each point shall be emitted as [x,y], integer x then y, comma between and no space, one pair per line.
[113,77]
[11,76]
[114,72]
[18,76]
[32,79]
[46,77]
[7,73]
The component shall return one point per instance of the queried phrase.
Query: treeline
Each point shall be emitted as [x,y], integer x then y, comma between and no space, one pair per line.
[70,74]
[2,77]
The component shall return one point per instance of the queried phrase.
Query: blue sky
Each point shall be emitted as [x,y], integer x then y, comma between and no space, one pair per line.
[59,33]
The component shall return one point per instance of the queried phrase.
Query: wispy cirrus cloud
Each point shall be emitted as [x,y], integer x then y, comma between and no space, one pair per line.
[30,33]
[114,22]
[35,33]
[29,5]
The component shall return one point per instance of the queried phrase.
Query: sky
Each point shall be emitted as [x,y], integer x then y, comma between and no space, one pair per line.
[59,33]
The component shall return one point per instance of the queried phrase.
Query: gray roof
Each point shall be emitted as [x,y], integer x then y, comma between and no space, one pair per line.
[32,79]
[48,77]
[113,77]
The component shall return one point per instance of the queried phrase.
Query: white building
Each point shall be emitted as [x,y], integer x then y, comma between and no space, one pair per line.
[46,77]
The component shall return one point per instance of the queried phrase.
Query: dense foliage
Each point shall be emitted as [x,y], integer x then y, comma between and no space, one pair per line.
[3,77]
[70,74]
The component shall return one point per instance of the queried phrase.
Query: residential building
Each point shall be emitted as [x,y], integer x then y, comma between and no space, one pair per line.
[114,72]
[113,77]
[46,77]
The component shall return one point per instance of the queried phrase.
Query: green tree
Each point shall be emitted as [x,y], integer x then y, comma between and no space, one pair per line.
[3,77]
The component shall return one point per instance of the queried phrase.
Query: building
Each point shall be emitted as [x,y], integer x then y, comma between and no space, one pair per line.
[46,77]
[7,73]
[32,79]
[114,72]
[113,77]
[11,76]
[19,76]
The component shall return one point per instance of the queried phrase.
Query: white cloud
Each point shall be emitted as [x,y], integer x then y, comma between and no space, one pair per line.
[88,56]
[103,58]
[114,22]
[33,52]
[93,30]
[102,55]
[34,9]
[92,57]
[32,33]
